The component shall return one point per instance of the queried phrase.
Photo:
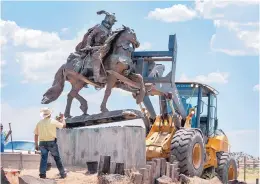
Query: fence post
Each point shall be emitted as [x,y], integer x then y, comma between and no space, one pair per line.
[244,168]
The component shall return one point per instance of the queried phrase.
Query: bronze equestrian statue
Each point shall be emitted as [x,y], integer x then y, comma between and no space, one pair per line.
[115,56]
[92,40]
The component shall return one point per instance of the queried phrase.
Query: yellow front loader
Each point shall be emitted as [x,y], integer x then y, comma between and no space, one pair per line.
[195,141]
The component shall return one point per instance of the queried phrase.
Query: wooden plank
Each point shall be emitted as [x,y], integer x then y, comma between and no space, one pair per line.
[172,171]
[168,169]
[119,168]
[149,167]
[104,165]
[112,167]
[176,169]
[152,171]
[157,167]
[124,79]
[144,172]
[163,167]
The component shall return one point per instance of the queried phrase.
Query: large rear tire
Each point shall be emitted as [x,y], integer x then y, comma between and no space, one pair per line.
[188,148]
[227,167]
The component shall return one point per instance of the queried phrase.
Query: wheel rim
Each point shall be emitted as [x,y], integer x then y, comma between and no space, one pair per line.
[231,172]
[196,155]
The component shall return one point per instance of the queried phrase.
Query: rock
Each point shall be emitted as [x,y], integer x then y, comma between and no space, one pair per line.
[26,179]
[113,179]
[164,180]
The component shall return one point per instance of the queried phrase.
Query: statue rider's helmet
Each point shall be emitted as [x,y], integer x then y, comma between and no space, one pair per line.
[110,17]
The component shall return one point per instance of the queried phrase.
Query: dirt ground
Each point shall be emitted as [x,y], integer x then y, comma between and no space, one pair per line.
[79,176]
[75,176]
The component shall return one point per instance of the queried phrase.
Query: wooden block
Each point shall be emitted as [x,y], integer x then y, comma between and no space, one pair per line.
[104,165]
[136,178]
[92,167]
[176,170]
[112,167]
[152,171]
[168,169]
[163,167]
[144,172]
[120,168]
[157,168]
[172,171]
[149,169]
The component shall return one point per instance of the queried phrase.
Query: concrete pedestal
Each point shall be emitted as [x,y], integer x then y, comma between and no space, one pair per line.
[85,144]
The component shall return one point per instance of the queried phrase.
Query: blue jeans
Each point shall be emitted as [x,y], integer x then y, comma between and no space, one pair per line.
[45,147]
[2,147]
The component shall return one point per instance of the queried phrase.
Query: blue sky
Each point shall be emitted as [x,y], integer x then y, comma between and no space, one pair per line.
[217,44]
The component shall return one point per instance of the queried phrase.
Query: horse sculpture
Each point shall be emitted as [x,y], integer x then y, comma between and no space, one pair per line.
[117,60]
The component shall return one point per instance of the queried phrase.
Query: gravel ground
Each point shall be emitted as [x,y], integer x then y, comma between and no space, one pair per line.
[75,176]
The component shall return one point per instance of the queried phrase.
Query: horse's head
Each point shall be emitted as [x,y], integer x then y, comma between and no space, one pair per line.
[129,35]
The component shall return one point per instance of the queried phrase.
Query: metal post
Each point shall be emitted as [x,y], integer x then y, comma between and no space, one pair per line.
[11,137]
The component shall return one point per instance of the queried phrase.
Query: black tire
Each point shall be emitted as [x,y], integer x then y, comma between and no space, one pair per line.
[182,148]
[224,163]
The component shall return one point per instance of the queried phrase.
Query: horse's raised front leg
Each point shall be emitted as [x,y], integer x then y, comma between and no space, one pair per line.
[139,79]
[83,103]
[111,80]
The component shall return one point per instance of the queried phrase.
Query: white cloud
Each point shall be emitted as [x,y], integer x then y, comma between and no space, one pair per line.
[176,13]
[43,52]
[235,38]
[256,87]
[64,30]
[214,77]
[212,9]
[235,35]
[144,46]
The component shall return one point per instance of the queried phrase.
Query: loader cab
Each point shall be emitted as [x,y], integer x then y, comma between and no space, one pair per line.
[204,99]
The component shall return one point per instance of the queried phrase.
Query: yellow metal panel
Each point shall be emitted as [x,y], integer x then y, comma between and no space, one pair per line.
[211,158]
[219,143]
[214,145]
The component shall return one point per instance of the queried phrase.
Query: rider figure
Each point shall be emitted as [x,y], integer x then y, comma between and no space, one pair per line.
[94,38]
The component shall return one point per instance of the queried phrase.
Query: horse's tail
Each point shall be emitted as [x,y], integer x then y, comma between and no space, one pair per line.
[59,78]
[57,86]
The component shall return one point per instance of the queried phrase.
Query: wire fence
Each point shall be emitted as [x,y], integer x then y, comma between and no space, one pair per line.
[248,169]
